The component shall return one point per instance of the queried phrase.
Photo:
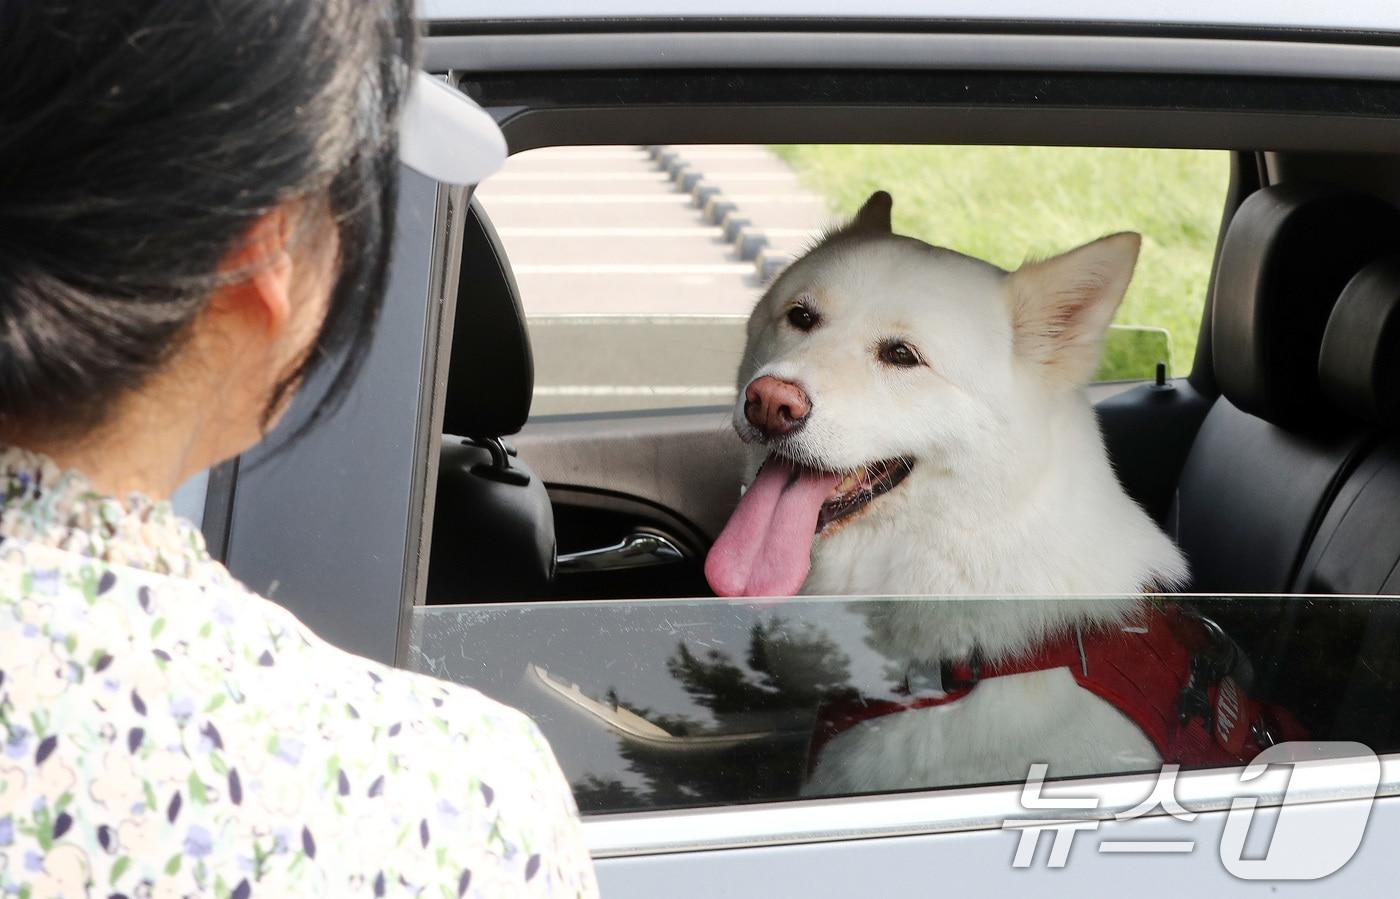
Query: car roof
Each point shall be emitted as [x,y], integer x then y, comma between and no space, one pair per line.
[1351,15]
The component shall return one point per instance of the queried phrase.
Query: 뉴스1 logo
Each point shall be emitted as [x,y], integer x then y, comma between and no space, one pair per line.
[1308,841]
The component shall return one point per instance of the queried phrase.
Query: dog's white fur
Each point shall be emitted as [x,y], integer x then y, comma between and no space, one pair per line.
[1011,493]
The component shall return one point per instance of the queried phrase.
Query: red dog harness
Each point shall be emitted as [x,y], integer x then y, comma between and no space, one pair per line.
[1171,673]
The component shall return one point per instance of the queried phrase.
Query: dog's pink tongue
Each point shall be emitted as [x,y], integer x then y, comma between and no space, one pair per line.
[766,548]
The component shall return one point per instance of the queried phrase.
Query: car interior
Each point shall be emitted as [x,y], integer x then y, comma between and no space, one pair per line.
[1271,464]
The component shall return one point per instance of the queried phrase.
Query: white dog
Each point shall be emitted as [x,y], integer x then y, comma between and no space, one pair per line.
[924,431]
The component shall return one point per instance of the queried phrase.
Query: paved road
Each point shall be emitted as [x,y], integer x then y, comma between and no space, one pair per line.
[634,300]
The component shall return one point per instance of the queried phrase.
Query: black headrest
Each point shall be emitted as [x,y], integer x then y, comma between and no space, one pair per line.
[1360,363]
[1289,251]
[491,376]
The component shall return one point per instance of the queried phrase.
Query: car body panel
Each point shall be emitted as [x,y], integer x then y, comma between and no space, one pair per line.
[979,862]
[343,494]
[902,49]
[1373,15]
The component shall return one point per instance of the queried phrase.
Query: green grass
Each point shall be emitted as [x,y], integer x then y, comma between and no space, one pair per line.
[1004,204]
[1131,353]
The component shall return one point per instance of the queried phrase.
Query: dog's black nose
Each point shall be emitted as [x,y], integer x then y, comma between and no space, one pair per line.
[776,407]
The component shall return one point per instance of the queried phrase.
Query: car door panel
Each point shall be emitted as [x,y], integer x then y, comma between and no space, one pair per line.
[980,862]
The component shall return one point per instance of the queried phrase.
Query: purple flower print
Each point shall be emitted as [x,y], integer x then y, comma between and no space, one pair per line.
[290,750]
[224,613]
[182,707]
[17,747]
[47,582]
[198,842]
[209,738]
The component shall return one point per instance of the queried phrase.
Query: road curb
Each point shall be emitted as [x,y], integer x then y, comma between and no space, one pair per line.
[748,239]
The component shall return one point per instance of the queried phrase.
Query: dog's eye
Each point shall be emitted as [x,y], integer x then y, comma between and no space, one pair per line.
[802,318]
[899,354]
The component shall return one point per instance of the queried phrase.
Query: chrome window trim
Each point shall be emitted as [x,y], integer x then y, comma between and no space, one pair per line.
[944,811]
[976,52]
[1378,15]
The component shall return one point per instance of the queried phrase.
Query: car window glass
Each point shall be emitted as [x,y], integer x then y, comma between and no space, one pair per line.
[637,266]
[681,703]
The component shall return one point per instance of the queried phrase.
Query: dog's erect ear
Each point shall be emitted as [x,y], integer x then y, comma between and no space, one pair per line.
[875,214]
[1061,307]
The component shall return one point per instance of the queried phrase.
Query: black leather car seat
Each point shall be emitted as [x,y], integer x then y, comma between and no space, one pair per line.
[1336,664]
[1273,452]
[1356,549]
[493,527]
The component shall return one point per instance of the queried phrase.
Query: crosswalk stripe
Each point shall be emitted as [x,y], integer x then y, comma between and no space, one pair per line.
[720,268]
[584,153]
[686,319]
[634,390]
[586,177]
[689,153]
[492,198]
[526,231]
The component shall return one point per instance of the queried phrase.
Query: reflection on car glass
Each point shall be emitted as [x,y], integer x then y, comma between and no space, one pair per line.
[641,725]
[667,704]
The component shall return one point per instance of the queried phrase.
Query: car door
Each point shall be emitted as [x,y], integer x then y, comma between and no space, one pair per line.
[726,810]
[684,735]
[689,730]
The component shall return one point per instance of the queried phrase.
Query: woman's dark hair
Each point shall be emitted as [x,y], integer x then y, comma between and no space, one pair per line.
[140,140]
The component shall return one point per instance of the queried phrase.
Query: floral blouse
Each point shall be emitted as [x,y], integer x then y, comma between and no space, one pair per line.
[167,733]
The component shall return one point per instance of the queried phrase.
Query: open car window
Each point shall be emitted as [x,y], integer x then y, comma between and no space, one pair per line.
[638,266]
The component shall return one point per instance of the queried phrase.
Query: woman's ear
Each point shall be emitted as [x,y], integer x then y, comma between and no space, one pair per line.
[260,272]
[1061,307]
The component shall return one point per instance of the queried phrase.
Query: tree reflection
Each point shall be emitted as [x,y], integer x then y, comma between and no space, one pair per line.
[765,706]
